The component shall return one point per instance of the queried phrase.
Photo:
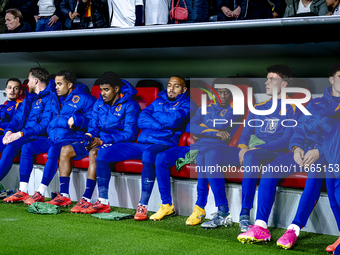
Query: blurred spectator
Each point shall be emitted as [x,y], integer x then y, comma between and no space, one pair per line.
[263,9]
[157,12]
[3,7]
[127,13]
[89,14]
[305,8]
[26,7]
[198,10]
[47,14]
[227,10]
[15,22]
[334,7]
[68,9]
[249,9]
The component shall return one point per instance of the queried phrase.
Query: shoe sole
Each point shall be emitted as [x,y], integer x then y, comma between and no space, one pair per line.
[78,211]
[63,205]
[209,227]
[140,219]
[99,211]
[170,214]
[33,202]
[15,201]
[82,211]
[286,247]
[251,240]
[216,226]
[330,250]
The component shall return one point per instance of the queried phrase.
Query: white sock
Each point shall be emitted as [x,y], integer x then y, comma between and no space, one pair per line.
[87,199]
[146,206]
[261,223]
[42,189]
[23,187]
[296,228]
[104,201]
[65,195]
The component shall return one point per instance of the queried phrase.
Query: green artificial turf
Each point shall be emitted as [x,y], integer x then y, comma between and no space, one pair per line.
[66,233]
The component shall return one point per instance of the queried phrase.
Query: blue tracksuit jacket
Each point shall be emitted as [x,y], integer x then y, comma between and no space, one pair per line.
[204,124]
[7,112]
[35,113]
[116,123]
[272,131]
[78,104]
[312,130]
[164,121]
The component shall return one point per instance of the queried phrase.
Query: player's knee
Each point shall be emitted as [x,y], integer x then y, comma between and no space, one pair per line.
[66,152]
[161,158]
[26,150]
[93,154]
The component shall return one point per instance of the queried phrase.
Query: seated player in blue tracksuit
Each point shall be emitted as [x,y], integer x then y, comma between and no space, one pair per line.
[306,154]
[7,110]
[261,145]
[331,150]
[114,120]
[31,119]
[273,137]
[69,123]
[162,124]
[212,139]
[251,152]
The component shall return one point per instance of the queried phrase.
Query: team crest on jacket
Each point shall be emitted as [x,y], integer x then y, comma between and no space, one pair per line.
[38,102]
[10,108]
[75,99]
[270,125]
[118,108]
[223,112]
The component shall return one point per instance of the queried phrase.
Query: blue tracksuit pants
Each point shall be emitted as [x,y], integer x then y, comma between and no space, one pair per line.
[125,151]
[310,195]
[333,191]
[252,161]
[9,152]
[164,162]
[32,149]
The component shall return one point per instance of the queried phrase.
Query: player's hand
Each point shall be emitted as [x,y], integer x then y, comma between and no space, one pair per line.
[70,122]
[15,136]
[196,137]
[224,135]
[5,139]
[95,143]
[241,155]
[310,157]
[299,156]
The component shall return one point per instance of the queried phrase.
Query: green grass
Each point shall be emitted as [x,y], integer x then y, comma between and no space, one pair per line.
[66,233]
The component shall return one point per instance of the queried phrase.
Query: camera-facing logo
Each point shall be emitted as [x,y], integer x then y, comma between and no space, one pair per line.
[238,100]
